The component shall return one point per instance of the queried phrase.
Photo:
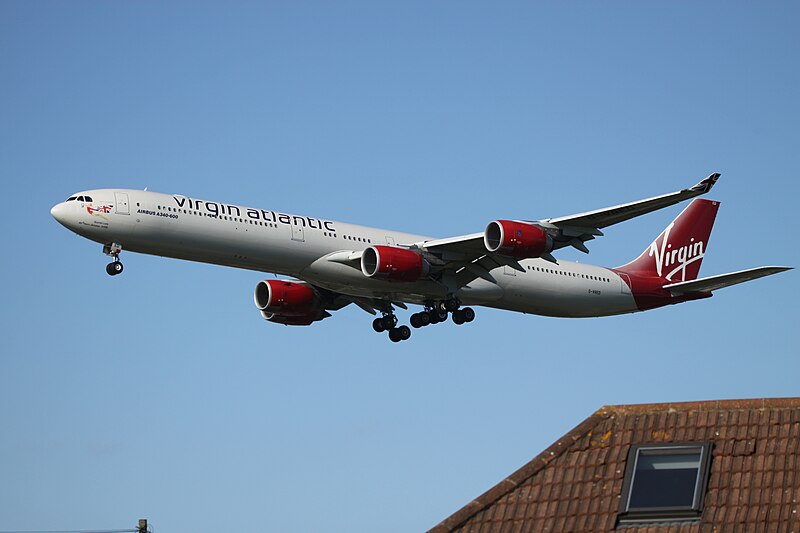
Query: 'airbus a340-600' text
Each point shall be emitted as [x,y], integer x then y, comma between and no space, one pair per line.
[329,265]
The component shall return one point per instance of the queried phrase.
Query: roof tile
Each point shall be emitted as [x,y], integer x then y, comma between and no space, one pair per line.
[575,485]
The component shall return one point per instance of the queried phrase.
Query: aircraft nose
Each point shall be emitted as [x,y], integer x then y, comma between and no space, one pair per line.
[59,212]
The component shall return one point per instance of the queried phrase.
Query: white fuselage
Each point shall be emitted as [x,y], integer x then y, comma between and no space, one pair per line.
[298,246]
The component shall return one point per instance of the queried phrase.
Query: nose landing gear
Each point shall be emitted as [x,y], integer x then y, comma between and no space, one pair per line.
[113,250]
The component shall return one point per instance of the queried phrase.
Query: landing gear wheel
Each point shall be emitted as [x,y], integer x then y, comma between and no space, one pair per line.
[403,333]
[459,318]
[377,325]
[388,322]
[419,320]
[469,314]
[114,268]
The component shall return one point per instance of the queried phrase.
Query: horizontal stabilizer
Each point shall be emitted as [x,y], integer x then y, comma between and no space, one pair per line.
[713,283]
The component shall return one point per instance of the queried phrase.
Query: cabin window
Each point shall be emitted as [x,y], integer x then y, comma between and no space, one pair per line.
[665,482]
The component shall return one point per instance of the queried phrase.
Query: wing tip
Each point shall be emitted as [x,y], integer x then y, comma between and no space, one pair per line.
[780,268]
[705,185]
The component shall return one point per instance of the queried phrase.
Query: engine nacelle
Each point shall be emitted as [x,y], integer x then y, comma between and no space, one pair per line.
[299,320]
[286,298]
[517,239]
[393,264]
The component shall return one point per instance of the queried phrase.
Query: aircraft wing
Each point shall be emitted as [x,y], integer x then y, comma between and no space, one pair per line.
[468,252]
[721,281]
[609,216]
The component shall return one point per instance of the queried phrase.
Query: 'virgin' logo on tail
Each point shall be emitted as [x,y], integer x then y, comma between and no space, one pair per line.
[679,258]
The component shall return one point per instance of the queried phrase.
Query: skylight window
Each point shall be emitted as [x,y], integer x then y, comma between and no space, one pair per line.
[665,482]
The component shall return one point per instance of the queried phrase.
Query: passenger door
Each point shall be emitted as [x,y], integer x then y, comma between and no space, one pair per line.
[122,203]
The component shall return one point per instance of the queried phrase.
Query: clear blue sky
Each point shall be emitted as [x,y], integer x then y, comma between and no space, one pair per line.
[162,393]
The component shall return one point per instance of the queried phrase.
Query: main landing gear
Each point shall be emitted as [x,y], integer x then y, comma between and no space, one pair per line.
[115,267]
[388,322]
[434,313]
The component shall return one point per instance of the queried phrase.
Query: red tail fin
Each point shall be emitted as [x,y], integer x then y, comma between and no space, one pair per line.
[677,253]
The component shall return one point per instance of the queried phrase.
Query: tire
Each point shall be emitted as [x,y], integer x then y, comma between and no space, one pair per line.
[389,322]
[404,332]
[415,321]
[394,336]
[469,314]
[377,325]
[114,268]
[424,319]
[458,318]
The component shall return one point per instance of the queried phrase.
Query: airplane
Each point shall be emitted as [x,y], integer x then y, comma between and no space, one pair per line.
[510,265]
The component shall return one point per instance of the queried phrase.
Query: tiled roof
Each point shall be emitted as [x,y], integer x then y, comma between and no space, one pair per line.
[575,485]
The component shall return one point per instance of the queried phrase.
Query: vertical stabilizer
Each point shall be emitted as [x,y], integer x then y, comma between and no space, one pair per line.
[676,254]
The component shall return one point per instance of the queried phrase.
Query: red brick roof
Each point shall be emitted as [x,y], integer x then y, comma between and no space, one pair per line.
[575,485]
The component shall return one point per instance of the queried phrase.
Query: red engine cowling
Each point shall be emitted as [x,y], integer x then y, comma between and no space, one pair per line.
[393,264]
[517,239]
[286,298]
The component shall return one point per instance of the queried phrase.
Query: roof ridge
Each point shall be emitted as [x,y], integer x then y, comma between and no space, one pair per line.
[707,405]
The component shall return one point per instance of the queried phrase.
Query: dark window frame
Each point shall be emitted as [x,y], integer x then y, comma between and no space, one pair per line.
[628,515]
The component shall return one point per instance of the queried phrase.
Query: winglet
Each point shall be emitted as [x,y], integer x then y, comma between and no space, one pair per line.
[706,185]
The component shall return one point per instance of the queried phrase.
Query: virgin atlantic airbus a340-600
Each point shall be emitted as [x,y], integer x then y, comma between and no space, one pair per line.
[510,265]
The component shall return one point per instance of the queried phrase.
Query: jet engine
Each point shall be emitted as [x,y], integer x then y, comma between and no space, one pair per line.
[393,264]
[286,298]
[517,239]
[288,302]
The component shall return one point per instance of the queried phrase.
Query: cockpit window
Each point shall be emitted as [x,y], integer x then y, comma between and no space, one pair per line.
[87,198]
[80,198]
[71,198]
